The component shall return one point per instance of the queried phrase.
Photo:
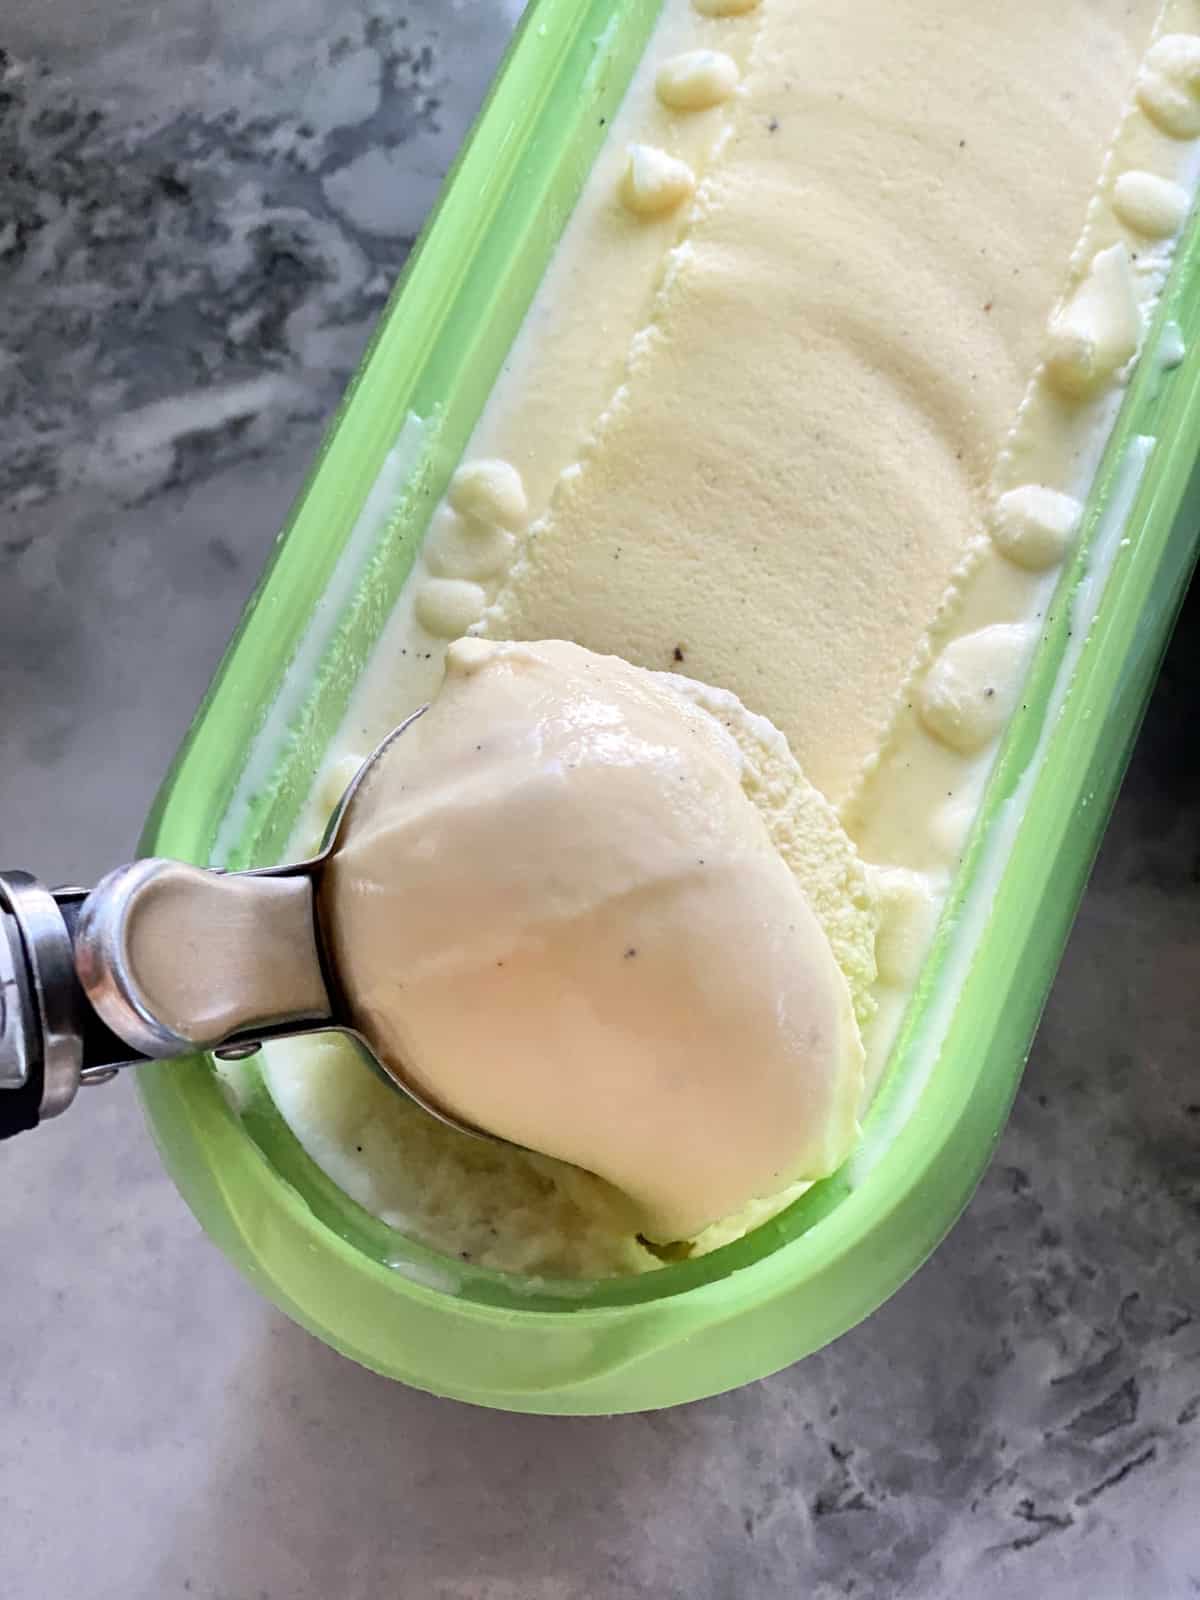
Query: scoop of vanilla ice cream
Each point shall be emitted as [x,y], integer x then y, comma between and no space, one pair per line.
[561,914]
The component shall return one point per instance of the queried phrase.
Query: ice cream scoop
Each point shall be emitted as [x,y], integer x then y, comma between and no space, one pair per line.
[160,959]
[560,915]
[163,959]
[552,909]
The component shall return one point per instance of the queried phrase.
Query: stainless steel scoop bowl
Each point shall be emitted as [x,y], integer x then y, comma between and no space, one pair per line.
[74,1009]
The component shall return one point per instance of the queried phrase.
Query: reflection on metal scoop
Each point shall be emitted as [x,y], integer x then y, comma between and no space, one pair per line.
[163,959]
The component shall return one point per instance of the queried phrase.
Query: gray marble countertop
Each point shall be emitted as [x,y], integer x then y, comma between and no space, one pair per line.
[202,205]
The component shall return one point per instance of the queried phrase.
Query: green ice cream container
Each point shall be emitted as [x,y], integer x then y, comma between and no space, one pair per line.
[702,1326]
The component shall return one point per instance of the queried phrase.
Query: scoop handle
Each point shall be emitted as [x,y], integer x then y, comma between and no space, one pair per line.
[41,1006]
[176,958]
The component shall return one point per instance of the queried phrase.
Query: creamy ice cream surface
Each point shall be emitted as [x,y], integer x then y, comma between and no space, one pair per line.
[561,914]
[805,415]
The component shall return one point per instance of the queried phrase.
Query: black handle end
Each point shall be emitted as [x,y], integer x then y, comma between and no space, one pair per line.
[21,1109]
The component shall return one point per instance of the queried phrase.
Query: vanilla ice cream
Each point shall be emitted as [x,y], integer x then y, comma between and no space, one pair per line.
[807,411]
[559,913]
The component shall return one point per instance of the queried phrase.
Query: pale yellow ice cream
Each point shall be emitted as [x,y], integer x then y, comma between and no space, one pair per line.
[786,472]
[807,408]
[558,911]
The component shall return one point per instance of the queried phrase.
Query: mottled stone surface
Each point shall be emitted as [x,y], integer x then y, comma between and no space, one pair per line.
[201,207]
